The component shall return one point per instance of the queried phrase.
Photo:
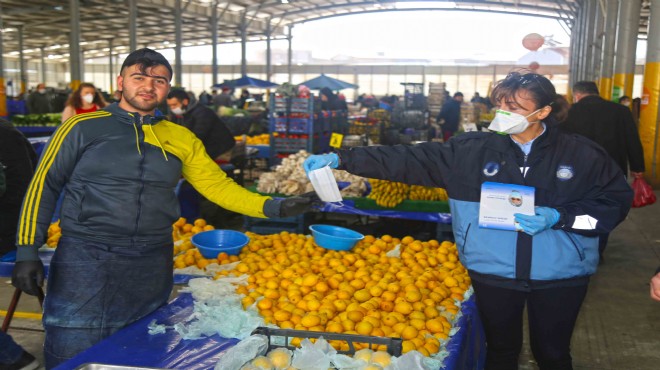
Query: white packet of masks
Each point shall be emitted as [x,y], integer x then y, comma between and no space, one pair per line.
[325,185]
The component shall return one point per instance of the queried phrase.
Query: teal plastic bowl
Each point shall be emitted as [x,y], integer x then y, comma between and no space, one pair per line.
[212,242]
[335,237]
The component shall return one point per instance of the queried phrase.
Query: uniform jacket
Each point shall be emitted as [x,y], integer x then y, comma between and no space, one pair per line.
[120,170]
[569,173]
[612,126]
[209,128]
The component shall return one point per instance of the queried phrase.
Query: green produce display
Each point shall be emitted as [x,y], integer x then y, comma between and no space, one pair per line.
[48,119]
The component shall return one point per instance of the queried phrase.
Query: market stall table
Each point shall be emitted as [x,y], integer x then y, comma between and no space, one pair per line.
[134,346]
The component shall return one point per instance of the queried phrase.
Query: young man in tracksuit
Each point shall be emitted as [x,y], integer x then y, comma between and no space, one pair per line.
[120,165]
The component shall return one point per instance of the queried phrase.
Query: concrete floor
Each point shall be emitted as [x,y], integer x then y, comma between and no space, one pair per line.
[618,327]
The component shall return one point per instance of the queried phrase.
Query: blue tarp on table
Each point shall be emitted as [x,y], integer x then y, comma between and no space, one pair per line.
[133,346]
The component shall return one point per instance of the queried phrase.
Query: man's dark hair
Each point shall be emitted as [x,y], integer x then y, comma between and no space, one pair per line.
[585,87]
[146,58]
[457,94]
[179,94]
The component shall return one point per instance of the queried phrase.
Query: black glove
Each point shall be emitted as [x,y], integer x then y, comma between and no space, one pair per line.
[295,206]
[28,276]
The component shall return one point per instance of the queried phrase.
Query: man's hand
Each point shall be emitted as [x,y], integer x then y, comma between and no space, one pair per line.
[295,206]
[655,287]
[314,162]
[544,219]
[28,276]
[636,175]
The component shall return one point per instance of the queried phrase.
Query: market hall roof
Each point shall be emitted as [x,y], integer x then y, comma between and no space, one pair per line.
[46,23]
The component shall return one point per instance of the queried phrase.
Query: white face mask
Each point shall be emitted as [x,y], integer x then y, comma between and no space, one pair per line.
[88,98]
[509,122]
[178,111]
[42,91]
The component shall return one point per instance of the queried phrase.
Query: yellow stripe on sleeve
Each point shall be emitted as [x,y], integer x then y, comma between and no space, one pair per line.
[28,222]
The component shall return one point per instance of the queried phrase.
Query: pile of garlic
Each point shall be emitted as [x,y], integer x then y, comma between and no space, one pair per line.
[289,178]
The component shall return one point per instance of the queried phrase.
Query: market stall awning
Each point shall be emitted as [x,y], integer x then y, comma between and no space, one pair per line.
[246,81]
[322,81]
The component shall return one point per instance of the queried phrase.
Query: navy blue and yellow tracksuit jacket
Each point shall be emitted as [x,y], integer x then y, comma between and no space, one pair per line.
[120,170]
[570,173]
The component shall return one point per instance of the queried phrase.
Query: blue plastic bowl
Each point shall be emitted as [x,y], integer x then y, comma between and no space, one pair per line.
[335,237]
[212,242]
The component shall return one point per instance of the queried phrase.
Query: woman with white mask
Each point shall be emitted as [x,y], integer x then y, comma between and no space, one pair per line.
[85,99]
[540,250]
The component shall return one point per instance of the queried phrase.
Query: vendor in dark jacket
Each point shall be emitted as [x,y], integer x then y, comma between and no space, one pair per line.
[451,114]
[579,193]
[202,121]
[17,162]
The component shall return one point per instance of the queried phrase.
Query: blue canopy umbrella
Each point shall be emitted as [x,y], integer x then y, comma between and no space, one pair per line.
[322,81]
[246,81]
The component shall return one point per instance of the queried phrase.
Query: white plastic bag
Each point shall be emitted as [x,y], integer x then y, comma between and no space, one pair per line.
[243,352]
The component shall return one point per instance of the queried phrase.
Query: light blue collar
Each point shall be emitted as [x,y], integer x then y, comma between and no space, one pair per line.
[527,147]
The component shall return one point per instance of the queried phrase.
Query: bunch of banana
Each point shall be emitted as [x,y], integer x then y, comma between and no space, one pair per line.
[418,192]
[387,193]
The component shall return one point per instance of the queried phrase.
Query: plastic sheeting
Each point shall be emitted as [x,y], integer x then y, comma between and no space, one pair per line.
[133,346]
[348,206]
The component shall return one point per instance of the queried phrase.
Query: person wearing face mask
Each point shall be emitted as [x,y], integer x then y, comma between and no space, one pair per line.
[610,125]
[579,194]
[38,102]
[86,99]
[202,121]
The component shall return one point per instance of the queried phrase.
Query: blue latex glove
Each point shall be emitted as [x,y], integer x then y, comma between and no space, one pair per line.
[314,162]
[544,219]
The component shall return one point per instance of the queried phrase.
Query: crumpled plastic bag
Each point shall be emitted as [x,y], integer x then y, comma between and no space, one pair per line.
[414,360]
[218,310]
[396,252]
[313,356]
[243,352]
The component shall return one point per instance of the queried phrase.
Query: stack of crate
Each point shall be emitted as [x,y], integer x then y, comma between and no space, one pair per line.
[436,98]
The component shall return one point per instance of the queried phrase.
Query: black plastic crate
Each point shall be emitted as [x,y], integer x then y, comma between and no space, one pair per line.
[393,344]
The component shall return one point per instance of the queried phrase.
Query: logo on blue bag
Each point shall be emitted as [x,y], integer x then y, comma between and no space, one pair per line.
[491,169]
[565,173]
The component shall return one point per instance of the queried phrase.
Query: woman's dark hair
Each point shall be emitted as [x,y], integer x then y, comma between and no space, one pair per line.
[540,89]
[75,100]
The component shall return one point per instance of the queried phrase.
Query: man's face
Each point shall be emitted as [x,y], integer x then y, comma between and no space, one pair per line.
[458,98]
[174,103]
[143,91]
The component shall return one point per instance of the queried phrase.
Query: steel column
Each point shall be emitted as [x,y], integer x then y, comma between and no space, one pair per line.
[597,42]
[74,44]
[290,55]
[112,78]
[132,24]
[214,43]
[42,60]
[3,90]
[178,67]
[21,60]
[609,41]
[626,47]
[649,122]
[268,50]
[244,44]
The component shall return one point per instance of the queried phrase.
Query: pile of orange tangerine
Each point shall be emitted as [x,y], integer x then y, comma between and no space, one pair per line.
[299,285]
